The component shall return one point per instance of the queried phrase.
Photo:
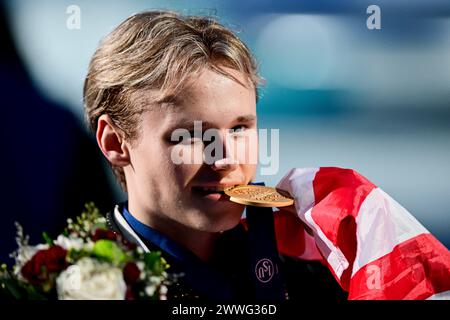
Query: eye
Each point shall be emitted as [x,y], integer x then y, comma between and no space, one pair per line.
[190,139]
[238,129]
[196,137]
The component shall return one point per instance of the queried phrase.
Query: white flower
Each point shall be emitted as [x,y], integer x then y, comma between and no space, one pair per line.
[163,292]
[140,265]
[150,290]
[100,220]
[69,243]
[24,251]
[155,279]
[89,245]
[24,254]
[90,279]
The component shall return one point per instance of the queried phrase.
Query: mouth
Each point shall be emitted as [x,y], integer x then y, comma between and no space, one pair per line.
[212,192]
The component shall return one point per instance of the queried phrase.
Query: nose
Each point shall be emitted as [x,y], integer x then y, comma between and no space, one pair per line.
[228,162]
[225,164]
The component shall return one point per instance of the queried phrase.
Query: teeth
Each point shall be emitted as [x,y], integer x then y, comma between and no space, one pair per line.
[214,189]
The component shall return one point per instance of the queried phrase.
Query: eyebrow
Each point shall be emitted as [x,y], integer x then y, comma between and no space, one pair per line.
[168,99]
[246,118]
[189,123]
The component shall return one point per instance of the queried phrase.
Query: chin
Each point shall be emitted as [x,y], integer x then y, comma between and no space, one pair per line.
[219,221]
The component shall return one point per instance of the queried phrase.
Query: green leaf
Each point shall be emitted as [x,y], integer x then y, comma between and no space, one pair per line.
[154,262]
[47,238]
[10,288]
[110,251]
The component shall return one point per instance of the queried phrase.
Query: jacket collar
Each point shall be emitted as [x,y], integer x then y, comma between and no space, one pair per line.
[117,223]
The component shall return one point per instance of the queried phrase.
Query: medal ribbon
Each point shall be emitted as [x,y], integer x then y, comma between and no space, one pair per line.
[264,258]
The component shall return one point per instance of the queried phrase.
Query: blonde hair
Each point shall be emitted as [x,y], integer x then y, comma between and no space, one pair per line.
[157,50]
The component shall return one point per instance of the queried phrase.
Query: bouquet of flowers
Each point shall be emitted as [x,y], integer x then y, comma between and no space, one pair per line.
[86,261]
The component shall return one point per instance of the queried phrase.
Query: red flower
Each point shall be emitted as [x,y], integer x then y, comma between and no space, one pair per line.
[129,245]
[100,234]
[131,273]
[44,262]
[129,294]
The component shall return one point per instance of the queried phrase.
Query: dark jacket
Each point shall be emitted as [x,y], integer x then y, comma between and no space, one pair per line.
[302,280]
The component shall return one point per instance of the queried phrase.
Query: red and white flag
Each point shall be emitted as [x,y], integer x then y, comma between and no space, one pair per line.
[373,246]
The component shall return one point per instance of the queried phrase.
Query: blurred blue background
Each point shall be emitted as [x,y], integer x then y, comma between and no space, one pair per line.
[377,101]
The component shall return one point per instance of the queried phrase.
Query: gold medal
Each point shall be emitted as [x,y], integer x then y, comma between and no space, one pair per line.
[259,196]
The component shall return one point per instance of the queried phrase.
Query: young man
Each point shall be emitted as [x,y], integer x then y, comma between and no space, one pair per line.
[159,72]
[160,91]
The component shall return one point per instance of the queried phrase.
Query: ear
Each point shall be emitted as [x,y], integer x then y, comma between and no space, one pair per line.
[111,142]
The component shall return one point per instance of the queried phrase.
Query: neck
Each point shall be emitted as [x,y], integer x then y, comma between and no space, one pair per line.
[200,243]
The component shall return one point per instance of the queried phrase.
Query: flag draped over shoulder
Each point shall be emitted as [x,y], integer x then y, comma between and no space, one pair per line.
[373,246]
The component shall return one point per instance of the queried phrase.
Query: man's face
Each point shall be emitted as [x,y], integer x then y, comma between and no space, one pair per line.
[189,193]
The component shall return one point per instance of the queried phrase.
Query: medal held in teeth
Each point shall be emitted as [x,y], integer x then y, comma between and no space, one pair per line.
[259,196]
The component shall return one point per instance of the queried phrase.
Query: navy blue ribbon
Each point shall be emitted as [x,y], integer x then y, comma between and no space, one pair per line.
[265,261]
